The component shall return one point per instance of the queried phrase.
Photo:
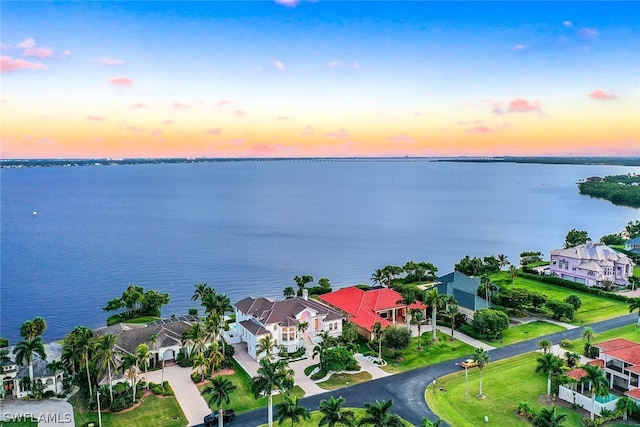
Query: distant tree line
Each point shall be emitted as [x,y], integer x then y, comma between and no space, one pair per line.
[623,190]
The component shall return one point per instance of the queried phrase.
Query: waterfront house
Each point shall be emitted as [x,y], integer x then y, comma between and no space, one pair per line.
[591,264]
[15,377]
[633,245]
[464,289]
[364,308]
[292,323]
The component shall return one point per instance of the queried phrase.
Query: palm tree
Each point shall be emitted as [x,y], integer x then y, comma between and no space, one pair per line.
[550,364]
[598,383]
[513,272]
[333,414]
[105,357]
[143,355]
[502,261]
[266,346]
[379,278]
[26,349]
[486,285]
[452,311]
[545,345]
[271,376]
[201,290]
[220,389]
[428,423]
[153,339]
[194,339]
[200,366]
[481,357]
[572,359]
[214,356]
[290,409]
[548,417]
[408,297]
[289,292]
[378,331]
[588,334]
[626,405]
[436,301]
[78,345]
[56,366]
[378,415]
[418,318]
[131,374]
[635,305]
[33,328]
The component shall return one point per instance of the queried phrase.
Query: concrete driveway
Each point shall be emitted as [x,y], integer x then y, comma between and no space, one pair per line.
[192,403]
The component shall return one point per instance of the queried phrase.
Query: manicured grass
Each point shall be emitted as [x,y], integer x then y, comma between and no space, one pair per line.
[316,416]
[636,271]
[505,384]
[630,332]
[594,307]
[154,411]
[144,319]
[517,333]
[337,381]
[242,397]
[432,353]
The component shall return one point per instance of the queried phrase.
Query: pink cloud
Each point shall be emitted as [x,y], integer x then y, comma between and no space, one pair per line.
[479,130]
[224,103]
[8,64]
[262,148]
[520,105]
[30,49]
[95,118]
[110,61]
[588,33]
[341,133]
[27,43]
[139,106]
[179,106]
[288,3]
[120,81]
[279,65]
[240,113]
[335,63]
[213,132]
[602,95]
[402,138]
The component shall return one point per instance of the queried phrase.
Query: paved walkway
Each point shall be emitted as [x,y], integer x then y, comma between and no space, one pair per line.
[460,336]
[192,403]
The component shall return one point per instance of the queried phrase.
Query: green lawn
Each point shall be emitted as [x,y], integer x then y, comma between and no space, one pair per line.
[431,354]
[636,271]
[316,416]
[517,333]
[337,381]
[594,307]
[630,332]
[154,411]
[505,384]
[144,319]
[242,398]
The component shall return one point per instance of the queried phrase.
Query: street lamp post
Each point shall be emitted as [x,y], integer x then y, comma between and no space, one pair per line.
[99,414]
[434,386]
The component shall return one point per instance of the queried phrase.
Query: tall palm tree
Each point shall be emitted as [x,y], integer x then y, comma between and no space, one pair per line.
[548,417]
[143,355]
[550,364]
[418,319]
[545,345]
[503,261]
[33,328]
[598,383]
[194,339]
[289,292]
[379,278]
[378,331]
[266,346]
[333,414]
[588,334]
[481,357]
[513,272]
[436,301]
[214,356]
[25,350]
[56,366]
[200,365]
[220,389]
[131,373]
[271,376]
[485,284]
[76,351]
[452,310]
[378,415]
[635,305]
[153,339]
[572,359]
[408,297]
[104,357]
[626,405]
[201,290]
[289,409]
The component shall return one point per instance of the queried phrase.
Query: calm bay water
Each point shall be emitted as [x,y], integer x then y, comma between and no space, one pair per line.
[247,228]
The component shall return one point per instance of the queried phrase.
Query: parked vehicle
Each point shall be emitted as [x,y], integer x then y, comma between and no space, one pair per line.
[211,420]
[469,363]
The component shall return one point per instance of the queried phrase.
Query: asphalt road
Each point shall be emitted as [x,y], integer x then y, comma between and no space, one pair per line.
[407,389]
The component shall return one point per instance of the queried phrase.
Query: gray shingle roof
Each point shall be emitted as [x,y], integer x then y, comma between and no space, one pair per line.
[254,328]
[53,351]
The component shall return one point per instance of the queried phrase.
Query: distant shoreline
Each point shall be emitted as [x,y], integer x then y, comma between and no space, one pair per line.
[31,163]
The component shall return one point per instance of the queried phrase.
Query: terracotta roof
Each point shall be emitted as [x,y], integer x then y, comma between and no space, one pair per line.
[634,368]
[577,373]
[629,354]
[634,393]
[362,305]
[615,344]
[596,362]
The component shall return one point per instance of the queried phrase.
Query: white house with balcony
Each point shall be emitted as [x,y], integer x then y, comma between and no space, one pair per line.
[15,378]
[292,323]
[591,264]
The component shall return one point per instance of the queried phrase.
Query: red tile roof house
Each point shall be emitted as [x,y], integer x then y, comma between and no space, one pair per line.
[620,359]
[365,308]
[259,317]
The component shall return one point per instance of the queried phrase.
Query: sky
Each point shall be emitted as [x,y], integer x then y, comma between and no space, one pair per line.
[293,78]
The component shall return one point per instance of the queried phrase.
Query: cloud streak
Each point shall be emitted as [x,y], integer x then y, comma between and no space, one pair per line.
[602,95]
[520,105]
[8,64]
[120,81]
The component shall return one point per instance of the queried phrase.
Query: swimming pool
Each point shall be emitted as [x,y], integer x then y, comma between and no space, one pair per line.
[606,399]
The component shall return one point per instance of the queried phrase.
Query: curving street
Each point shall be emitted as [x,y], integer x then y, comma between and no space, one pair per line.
[407,389]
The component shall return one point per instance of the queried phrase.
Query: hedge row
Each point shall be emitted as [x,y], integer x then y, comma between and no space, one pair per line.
[575,285]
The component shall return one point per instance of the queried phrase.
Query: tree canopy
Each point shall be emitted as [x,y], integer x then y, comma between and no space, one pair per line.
[136,302]
[575,237]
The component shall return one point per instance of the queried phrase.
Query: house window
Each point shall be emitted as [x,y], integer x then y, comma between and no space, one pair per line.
[336,326]
[291,334]
[331,326]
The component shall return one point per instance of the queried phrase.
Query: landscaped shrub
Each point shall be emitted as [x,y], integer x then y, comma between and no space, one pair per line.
[183,360]
[339,359]
[397,338]
[565,343]
[525,410]
[560,310]
[320,374]
[575,285]
[121,403]
[490,322]
[193,312]
[229,351]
